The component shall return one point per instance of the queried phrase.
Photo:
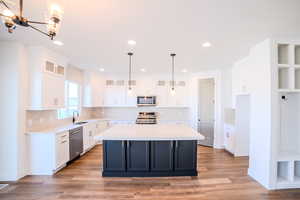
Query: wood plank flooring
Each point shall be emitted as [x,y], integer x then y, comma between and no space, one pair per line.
[220,177]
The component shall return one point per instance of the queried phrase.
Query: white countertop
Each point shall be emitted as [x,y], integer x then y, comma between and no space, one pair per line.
[66,127]
[151,132]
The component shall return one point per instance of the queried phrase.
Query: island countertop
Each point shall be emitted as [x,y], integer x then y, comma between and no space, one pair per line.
[155,132]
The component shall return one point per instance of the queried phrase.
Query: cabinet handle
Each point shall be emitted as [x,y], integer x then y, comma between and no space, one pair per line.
[176,144]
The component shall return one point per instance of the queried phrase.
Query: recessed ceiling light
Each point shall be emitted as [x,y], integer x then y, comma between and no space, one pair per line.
[184,70]
[101,69]
[143,70]
[57,42]
[131,42]
[206,44]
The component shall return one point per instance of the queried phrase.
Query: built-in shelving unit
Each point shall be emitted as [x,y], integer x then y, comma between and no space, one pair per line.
[288,157]
[288,62]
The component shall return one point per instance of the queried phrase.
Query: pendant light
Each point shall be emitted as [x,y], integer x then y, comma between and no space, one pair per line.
[173,71]
[130,54]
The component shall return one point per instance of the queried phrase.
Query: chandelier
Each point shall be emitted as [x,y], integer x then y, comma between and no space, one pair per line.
[11,20]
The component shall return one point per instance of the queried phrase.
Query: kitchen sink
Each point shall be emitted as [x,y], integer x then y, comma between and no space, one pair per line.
[80,123]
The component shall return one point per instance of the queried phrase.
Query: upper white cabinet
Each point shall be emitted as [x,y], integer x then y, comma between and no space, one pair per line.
[167,99]
[93,93]
[105,91]
[114,93]
[46,79]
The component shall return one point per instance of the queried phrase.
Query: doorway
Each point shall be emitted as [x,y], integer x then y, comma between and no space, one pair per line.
[206,110]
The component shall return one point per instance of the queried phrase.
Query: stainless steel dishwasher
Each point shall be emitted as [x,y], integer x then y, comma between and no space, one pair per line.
[76,142]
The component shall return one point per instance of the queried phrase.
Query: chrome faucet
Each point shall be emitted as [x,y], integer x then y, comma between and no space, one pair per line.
[74,118]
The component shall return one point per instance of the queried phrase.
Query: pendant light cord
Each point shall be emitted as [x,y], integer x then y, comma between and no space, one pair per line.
[173,70]
[130,70]
[21,8]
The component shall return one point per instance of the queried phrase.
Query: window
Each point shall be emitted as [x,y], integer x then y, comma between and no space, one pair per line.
[72,100]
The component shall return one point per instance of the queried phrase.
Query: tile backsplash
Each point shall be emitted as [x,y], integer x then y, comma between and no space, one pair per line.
[46,119]
[164,114]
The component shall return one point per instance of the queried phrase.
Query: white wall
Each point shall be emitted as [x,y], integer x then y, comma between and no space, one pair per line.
[241,78]
[253,75]
[13,81]
[226,76]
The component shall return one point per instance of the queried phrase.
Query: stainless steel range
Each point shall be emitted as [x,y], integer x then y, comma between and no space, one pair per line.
[146,118]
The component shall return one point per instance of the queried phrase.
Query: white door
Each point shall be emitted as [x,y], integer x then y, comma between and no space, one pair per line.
[206,112]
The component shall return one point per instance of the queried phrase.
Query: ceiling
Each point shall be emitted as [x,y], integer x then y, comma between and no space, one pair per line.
[95,32]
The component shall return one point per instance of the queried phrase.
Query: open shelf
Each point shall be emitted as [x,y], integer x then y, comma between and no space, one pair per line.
[283,54]
[297,78]
[283,171]
[297,171]
[283,78]
[297,54]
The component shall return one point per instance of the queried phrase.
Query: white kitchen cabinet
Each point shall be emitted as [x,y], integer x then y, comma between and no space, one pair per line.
[115,96]
[48,152]
[93,93]
[46,79]
[162,93]
[229,131]
[62,149]
[237,127]
[179,98]
[88,136]
[53,91]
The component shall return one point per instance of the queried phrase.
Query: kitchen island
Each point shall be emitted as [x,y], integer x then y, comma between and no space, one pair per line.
[150,151]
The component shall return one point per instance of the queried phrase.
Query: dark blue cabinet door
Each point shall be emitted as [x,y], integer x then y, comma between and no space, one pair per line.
[185,155]
[162,155]
[114,155]
[138,156]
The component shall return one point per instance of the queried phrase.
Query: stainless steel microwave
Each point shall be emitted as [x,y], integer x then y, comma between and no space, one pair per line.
[146,100]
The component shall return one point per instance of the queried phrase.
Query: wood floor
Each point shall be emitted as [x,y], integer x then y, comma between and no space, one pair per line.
[220,177]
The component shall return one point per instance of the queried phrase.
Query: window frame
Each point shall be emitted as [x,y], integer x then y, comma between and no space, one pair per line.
[64,113]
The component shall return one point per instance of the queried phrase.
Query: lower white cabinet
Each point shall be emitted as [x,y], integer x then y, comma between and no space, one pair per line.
[62,149]
[88,136]
[229,131]
[48,152]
